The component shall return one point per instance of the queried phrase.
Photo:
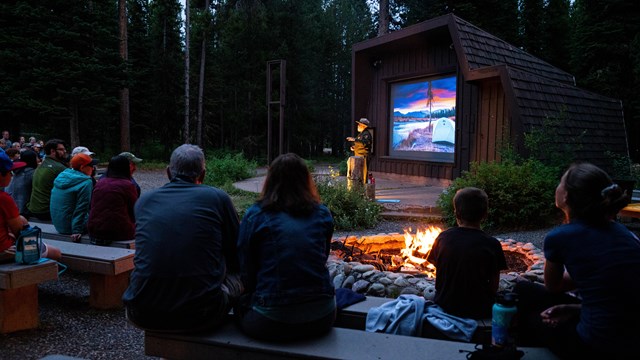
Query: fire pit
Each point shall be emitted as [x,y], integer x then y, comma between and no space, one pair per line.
[392,264]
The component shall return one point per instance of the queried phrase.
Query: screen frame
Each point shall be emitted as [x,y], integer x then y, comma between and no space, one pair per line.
[428,156]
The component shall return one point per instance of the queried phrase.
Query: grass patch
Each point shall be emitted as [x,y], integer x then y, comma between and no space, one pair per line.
[152,165]
[241,199]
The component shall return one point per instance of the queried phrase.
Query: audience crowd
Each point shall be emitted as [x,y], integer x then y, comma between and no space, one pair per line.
[195,260]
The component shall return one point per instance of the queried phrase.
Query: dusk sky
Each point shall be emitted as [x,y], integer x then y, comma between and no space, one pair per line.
[412,97]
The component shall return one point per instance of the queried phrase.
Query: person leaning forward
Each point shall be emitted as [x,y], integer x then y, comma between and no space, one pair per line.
[186,262]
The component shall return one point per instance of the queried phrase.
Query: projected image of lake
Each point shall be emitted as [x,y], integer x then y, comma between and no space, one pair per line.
[418,135]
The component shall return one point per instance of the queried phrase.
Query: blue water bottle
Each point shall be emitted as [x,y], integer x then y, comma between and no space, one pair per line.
[502,320]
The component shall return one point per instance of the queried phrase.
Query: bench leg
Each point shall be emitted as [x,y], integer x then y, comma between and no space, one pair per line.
[19,309]
[106,290]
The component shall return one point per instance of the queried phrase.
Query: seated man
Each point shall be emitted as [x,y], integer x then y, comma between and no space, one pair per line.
[186,254]
[467,261]
[43,178]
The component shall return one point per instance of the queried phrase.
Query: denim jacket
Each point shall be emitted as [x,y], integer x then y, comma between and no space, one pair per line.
[283,258]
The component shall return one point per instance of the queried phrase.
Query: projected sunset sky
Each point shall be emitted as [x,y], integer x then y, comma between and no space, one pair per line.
[412,97]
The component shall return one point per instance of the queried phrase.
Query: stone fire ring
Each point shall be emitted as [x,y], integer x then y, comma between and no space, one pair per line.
[365,279]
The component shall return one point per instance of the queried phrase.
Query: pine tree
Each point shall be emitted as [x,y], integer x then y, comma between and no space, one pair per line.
[61,63]
[603,56]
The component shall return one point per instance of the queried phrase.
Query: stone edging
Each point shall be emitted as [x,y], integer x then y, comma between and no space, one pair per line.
[365,279]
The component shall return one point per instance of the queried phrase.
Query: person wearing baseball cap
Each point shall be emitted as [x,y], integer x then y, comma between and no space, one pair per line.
[71,197]
[11,222]
[362,144]
[7,165]
[133,161]
[81,150]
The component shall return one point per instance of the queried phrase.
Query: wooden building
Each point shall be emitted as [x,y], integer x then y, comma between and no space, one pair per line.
[447,70]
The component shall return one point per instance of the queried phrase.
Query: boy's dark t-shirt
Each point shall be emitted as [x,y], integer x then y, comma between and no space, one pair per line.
[465,260]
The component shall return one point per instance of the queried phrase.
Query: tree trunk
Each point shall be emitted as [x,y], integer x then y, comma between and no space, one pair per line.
[383,17]
[186,71]
[203,55]
[125,135]
[356,167]
[74,135]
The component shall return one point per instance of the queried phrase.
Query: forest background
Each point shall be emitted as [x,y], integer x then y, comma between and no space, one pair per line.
[146,75]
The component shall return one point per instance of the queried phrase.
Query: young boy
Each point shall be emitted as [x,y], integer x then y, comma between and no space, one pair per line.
[467,261]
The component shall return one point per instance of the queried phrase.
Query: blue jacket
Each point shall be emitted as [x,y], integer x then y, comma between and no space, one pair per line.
[20,187]
[283,258]
[70,200]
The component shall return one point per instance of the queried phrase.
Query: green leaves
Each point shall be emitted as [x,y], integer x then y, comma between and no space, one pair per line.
[350,208]
[520,195]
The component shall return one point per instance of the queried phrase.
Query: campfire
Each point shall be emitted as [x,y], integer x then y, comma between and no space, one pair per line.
[391,253]
[392,264]
[408,253]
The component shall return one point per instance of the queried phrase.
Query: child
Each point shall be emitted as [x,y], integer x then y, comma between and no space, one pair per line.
[596,256]
[467,261]
[11,222]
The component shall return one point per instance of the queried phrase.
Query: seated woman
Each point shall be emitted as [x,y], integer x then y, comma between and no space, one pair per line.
[111,217]
[283,248]
[597,257]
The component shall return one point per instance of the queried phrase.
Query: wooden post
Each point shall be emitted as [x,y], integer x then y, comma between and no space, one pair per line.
[19,309]
[355,171]
[106,290]
[370,191]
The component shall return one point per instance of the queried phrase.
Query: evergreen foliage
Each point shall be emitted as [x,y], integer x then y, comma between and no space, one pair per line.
[61,69]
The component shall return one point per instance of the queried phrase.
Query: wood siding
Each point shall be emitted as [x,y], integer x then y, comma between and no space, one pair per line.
[493,127]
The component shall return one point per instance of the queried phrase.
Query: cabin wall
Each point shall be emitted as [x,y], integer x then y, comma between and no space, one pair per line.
[374,71]
[494,129]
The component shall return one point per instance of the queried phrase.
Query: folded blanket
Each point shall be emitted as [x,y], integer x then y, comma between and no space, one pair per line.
[453,327]
[405,316]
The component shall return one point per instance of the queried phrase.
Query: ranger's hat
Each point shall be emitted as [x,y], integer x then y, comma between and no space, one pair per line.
[364,122]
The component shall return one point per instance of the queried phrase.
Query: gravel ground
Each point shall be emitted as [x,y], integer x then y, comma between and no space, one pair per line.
[69,327]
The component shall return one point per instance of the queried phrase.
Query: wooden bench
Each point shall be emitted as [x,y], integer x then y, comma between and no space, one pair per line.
[19,293]
[340,343]
[355,317]
[49,232]
[631,210]
[109,268]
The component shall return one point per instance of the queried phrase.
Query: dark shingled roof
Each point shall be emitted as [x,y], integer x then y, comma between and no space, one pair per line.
[481,49]
[541,91]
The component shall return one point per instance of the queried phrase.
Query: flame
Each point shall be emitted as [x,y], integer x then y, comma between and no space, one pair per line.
[417,248]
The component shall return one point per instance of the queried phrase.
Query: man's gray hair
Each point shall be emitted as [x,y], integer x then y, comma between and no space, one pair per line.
[187,160]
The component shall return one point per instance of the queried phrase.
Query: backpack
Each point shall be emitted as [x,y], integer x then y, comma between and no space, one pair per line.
[29,245]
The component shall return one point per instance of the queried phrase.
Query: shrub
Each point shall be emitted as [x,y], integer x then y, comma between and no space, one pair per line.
[228,168]
[520,195]
[311,165]
[342,167]
[350,208]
